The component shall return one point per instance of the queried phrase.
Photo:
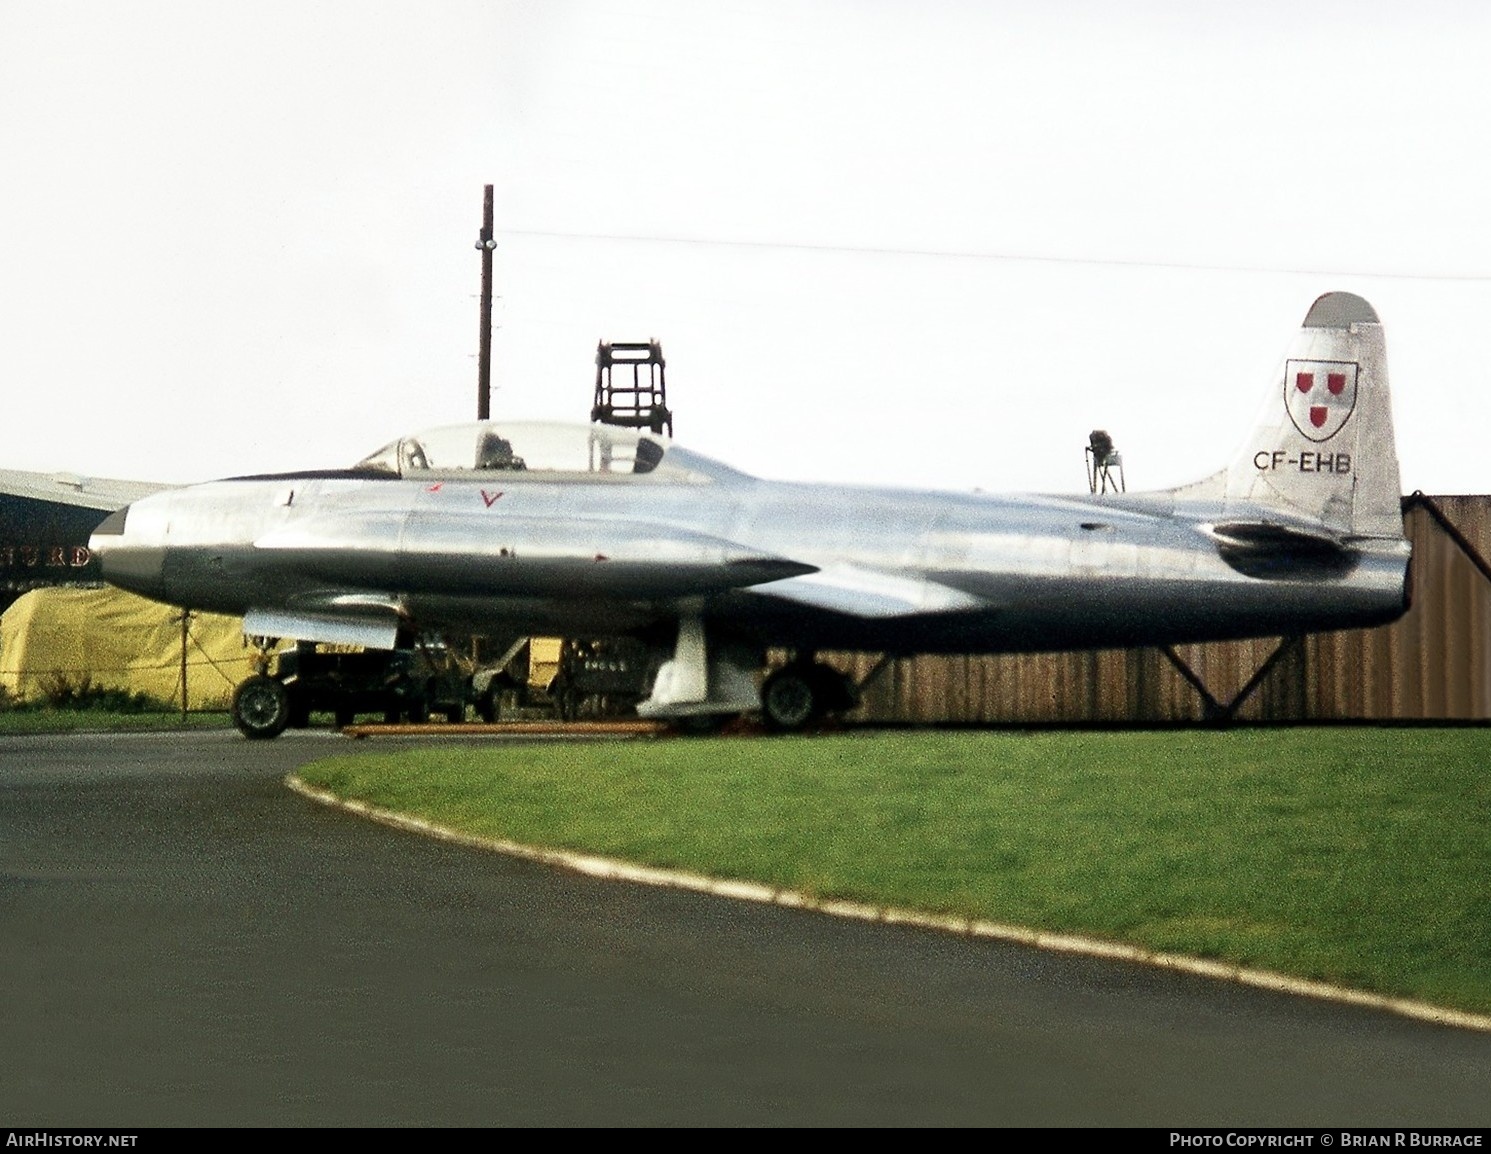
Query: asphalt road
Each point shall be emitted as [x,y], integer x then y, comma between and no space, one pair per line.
[185,942]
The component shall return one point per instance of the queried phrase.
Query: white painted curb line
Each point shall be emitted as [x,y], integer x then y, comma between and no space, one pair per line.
[970,927]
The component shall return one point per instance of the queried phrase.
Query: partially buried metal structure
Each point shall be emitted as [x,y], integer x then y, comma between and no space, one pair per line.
[1434,664]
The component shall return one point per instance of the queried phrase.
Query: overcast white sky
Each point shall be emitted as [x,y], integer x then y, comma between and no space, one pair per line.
[958,234]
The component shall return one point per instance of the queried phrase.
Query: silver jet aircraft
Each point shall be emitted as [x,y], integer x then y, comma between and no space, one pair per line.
[503,529]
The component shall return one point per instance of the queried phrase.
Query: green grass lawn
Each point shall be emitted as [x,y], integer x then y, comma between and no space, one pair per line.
[42,720]
[1359,856]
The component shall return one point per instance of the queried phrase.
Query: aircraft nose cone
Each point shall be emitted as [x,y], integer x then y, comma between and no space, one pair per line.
[124,562]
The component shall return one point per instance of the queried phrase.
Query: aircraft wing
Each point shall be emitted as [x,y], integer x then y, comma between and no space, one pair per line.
[376,627]
[857,591]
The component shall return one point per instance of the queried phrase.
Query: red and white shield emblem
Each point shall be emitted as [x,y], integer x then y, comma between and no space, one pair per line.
[1320,396]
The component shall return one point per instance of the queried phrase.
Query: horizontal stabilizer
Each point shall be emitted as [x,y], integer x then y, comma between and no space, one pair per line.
[1271,551]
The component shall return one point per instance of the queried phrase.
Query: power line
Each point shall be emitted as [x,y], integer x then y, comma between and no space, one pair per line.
[952,254]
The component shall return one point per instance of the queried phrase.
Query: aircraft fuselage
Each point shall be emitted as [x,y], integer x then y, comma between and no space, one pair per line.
[877,569]
[502,529]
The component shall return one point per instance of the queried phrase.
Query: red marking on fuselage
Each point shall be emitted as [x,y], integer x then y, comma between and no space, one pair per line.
[1335,382]
[490,498]
[1304,382]
[1318,413]
[435,488]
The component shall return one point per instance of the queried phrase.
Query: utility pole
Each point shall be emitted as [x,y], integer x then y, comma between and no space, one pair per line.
[186,618]
[486,243]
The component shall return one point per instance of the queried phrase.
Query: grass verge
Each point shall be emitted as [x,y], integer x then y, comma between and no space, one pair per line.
[42,720]
[1355,856]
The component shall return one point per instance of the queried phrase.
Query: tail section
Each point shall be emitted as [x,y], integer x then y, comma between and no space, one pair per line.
[1323,448]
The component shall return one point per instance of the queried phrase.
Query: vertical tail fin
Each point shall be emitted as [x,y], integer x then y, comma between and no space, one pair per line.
[1323,448]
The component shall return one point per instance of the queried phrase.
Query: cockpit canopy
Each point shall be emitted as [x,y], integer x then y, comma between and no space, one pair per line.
[515,446]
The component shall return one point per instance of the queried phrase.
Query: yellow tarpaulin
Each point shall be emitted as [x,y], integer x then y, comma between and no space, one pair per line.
[119,641]
[543,660]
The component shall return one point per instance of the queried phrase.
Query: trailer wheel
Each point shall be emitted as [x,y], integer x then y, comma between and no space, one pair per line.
[261,708]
